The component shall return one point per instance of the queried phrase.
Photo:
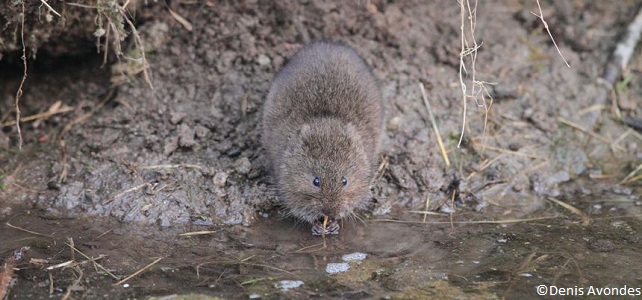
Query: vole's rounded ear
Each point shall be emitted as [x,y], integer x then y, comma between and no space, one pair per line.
[305,130]
[298,138]
[352,132]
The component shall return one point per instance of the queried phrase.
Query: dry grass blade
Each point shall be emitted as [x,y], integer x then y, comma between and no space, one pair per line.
[578,127]
[268,267]
[631,177]
[426,206]
[102,234]
[444,154]
[195,233]
[139,271]
[424,212]
[129,190]
[526,265]
[385,161]
[186,24]
[509,221]
[27,230]
[585,218]
[502,150]
[93,260]
[60,265]
[325,225]
[141,47]
[320,245]
[154,167]
[44,115]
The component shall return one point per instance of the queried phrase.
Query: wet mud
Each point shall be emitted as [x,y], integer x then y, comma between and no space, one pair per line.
[127,175]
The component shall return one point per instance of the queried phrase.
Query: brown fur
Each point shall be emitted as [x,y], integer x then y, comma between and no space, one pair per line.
[323,117]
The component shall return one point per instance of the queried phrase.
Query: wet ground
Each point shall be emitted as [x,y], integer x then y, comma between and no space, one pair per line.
[404,258]
[175,176]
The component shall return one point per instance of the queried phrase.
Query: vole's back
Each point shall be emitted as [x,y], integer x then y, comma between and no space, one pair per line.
[322,80]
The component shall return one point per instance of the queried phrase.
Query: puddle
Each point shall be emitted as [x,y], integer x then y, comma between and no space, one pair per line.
[277,258]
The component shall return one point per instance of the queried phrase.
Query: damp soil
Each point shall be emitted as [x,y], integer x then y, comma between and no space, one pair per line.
[129,174]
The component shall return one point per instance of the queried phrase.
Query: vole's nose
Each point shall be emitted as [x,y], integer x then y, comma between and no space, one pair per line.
[332,210]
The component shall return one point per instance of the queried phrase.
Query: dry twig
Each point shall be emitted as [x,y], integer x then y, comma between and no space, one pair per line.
[478,93]
[24,75]
[541,17]
[44,2]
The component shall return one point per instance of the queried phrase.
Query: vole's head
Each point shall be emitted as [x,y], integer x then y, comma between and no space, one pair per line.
[325,172]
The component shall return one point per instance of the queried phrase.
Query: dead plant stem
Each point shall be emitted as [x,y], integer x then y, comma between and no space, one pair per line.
[24,75]
[541,17]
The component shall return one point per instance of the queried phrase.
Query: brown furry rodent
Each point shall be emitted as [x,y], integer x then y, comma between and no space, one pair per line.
[321,127]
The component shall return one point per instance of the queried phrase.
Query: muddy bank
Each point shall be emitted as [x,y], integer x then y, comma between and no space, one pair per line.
[186,154]
[188,150]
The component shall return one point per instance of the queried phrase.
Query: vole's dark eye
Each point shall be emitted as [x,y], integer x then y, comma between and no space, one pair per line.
[316,181]
[344,180]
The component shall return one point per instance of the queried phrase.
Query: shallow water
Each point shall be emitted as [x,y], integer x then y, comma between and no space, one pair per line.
[407,260]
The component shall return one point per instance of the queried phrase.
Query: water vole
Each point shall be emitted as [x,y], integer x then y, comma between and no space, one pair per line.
[321,127]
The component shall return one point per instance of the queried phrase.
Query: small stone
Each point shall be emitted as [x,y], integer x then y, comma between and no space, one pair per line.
[622,190]
[186,136]
[602,245]
[201,131]
[243,165]
[220,179]
[334,268]
[234,152]
[176,117]
[619,224]
[263,60]
[171,145]
[285,285]
[354,256]
[393,124]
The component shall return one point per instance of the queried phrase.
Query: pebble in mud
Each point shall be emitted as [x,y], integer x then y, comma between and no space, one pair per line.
[334,268]
[186,136]
[285,285]
[220,178]
[356,256]
[601,245]
[243,166]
